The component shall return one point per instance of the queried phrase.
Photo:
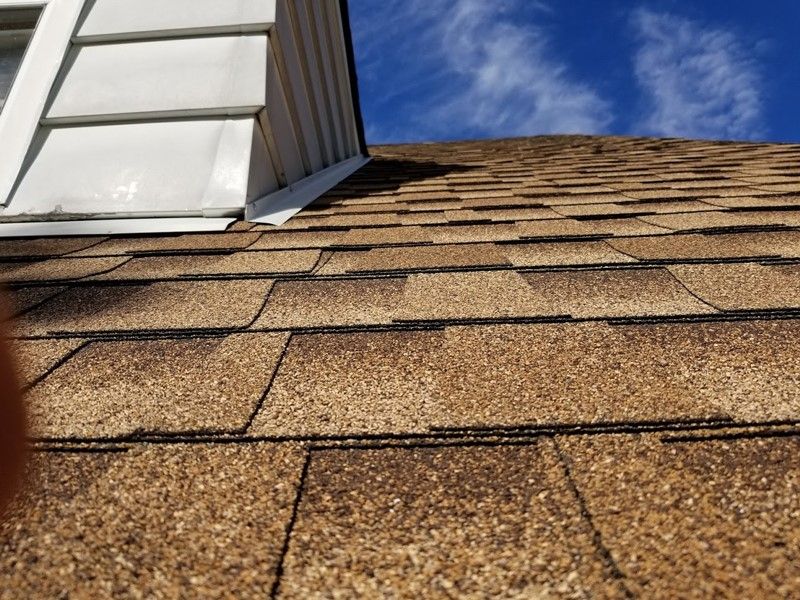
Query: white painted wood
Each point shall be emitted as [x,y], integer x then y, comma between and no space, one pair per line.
[317,87]
[178,109]
[136,169]
[336,58]
[280,122]
[279,207]
[343,71]
[325,63]
[127,19]
[113,226]
[283,36]
[290,20]
[262,178]
[26,100]
[182,77]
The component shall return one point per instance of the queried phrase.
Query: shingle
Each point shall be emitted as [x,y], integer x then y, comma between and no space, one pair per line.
[416,257]
[659,194]
[191,242]
[22,299]
[717,219]
[632,208]
[479,295]
[342,220]
[703,519]
[411,234]
[323,303]
[59,269]
[517,214]
[580,199]
[574,228]
[690,246]
[530,374]
[167,521]
[169,305]
[34,358]
[158,386]
[44,246]
[754,202]
[442,522]
[273,239]
[238,263]
[564,253]
[615,293]
[743,286]
[455,234]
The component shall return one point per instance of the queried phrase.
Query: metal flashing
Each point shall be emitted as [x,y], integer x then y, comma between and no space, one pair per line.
[280,206]
[113,226]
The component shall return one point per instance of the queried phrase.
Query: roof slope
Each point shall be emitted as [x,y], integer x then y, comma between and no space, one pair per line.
[557,365]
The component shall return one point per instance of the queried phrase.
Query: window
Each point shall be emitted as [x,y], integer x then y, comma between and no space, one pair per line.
[16,29]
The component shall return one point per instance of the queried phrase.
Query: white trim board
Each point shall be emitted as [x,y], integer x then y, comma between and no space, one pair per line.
[114,227]
[280,206]
[26,100]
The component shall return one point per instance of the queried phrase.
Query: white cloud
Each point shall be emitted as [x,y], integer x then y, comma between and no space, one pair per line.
[478,72]
[699,82]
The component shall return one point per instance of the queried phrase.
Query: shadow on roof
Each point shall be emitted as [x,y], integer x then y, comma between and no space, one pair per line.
[388,175]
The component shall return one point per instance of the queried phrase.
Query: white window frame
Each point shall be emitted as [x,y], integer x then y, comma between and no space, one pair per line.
[37,72]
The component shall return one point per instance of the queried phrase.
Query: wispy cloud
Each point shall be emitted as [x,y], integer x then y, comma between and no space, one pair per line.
[699,82]
[475,70]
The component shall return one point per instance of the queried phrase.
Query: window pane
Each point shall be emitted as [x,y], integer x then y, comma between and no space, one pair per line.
[16,29]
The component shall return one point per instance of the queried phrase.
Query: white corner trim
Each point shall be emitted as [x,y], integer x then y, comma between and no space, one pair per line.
[114,226]
[280,206]
[25,104]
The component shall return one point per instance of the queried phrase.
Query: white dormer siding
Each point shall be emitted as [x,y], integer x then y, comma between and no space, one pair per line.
[179,110]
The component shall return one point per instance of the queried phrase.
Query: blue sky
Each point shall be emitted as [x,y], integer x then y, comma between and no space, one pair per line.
[465,69]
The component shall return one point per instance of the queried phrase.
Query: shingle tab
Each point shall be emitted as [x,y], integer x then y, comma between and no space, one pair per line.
[158,521]
[442,522]
[238,263]
[178,305]
[702,519]
[159,386]
[323,303]
[743,286]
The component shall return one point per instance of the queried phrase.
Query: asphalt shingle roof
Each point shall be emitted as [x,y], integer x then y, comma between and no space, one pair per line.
[554,366]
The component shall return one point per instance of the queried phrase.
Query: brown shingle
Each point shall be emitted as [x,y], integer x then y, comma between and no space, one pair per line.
[455,234]
[160,386]
[716,219]
[192,242]
[479,295]
[743,286]
[387,235]
[532,374]
[59,269]
[690,246]
[442,522]
[616,293]
[571,228]
[564,253]
[44,246]
[172,305]
[335,302]
[23,299]
[170,521]
[274,239]
[704,519]
[238,263]
[631,208]
[33,358]
[418,257]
